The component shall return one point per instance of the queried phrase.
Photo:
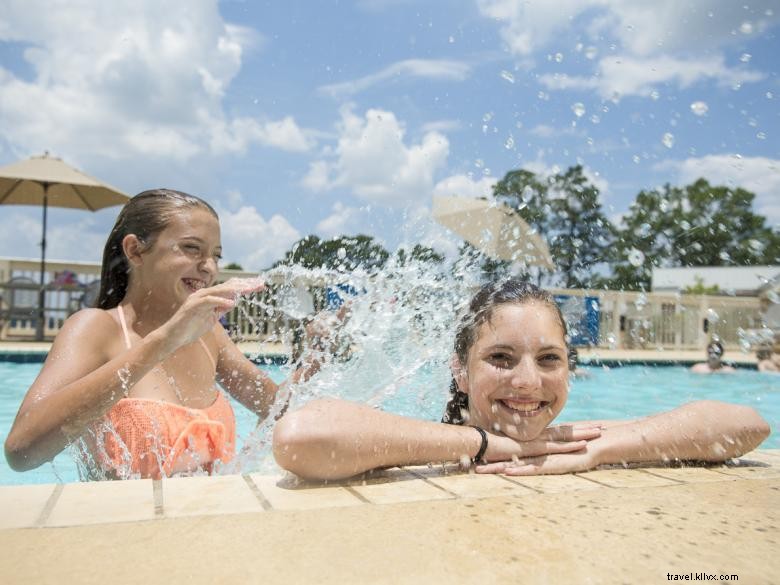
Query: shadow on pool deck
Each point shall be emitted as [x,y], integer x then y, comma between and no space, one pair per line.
[422,524]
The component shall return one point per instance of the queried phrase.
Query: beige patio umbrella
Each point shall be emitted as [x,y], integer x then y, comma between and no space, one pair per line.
[493,228]
[48,182]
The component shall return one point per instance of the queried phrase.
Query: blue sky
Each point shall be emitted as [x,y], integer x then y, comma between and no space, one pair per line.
[346,117]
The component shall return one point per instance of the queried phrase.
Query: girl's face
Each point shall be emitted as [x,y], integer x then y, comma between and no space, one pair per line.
[184,256]
[517,372]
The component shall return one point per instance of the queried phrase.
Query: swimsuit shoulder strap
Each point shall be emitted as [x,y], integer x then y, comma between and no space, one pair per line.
[208,353]
[124,326]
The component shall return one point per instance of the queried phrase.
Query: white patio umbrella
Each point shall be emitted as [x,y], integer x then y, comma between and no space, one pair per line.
[493,228]
[48,182]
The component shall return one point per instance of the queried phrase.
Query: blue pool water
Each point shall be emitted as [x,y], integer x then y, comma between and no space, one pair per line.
[616,393]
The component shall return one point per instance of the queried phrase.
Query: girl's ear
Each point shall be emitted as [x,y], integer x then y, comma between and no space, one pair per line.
[132,247]
[459,374]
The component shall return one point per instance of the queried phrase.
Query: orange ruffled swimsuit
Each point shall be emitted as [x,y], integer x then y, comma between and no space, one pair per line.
[154,438]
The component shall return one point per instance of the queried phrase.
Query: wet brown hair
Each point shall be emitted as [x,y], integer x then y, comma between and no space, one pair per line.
[145,215]
[480,311]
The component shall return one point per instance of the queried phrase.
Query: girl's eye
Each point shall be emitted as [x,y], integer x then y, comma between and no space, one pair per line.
[551,358]
[500,360]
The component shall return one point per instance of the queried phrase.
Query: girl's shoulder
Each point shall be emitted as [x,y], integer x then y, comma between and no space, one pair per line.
[97,325]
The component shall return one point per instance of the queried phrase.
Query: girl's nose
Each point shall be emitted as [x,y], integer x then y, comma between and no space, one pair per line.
[525,375]
[209,265]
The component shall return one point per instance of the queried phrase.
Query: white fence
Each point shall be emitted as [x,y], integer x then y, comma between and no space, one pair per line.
[624,319]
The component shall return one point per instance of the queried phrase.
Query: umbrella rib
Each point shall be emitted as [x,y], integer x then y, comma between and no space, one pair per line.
[83,199]
[8,193]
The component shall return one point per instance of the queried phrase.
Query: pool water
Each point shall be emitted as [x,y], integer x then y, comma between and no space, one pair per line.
[603,393]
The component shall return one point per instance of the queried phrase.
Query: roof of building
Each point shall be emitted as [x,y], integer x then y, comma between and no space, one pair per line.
[740,280]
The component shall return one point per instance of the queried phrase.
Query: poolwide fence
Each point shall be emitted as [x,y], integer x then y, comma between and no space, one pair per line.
[602,318]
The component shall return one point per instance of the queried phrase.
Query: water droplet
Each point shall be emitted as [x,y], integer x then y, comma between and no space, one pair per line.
[746,28]
[644,230]
[757,245]
[769,95]
[611,341]
[761,136]
[668,140]
[487,117]
[595,119]
[654,95]
[712,316]
[745,57]
[591,52]
[527,194]
[663,205]
[508,76]
[341,253]
[635,158]
[451,39]
[510,143]
[699,108]
[641,301]
[636,257]
[773,297]
[578,109]
[558,57]
[479,163]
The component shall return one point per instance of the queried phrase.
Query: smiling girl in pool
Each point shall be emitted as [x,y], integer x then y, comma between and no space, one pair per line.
[135,377]
[510,380]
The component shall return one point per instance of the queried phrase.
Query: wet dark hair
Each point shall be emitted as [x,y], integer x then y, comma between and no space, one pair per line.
[145,215]
[715,348]
[480,310]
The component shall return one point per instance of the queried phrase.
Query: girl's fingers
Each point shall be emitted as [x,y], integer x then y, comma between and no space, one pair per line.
[566,447]
[497,467]
[572,433]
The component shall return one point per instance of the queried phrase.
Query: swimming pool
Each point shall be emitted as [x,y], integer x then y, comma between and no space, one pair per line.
[605,393]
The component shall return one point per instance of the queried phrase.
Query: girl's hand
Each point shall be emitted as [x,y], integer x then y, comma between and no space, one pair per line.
[581,460]
[203,308]
[553,440]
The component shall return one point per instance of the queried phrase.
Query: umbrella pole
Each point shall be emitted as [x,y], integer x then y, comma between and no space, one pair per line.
[42,291]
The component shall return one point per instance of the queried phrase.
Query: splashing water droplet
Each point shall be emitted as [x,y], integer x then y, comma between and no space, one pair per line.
[341,253]
[558,57]
[591,52]
[745,57]
[510,143]
[668,140]
[761,136]
[699,108]
[487,117]
[746,28]
[654,95]
[527,194]
[636,257]
[508,76]
[578,109]
[712,316]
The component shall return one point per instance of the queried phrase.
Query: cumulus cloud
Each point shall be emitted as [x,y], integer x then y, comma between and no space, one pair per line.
[372,160]
[465,186]
[757,174]
[656,40]
[132,78]
[624,76]
[443,69]
[343,220]
[252,241]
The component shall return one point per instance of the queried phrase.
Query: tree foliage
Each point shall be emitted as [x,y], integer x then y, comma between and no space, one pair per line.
[565,209]
[342,253]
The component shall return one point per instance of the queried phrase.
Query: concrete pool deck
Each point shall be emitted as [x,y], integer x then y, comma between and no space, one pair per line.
[422,524]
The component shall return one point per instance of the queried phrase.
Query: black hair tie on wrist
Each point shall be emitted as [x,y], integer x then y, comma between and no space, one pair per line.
[482,448]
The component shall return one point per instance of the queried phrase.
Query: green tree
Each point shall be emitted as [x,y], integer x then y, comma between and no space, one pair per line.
[566,211]
[419,253]
[343,253]
[697,225]
[233,266]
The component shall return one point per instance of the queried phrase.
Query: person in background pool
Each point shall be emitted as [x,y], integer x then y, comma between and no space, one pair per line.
[510,380]
[135,377]
[713,365]
[766,360]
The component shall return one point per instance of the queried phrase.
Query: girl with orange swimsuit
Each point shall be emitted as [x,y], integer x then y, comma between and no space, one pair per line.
[135,377]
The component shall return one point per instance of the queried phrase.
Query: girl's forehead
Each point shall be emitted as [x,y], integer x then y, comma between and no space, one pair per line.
[530,320]
[193,221]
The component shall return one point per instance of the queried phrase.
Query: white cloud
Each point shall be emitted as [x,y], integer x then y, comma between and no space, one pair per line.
[423,68]
[757,174]
[343,220]
[640,28]
[130,79]
[252,241]
[373,162]
[465,186]
[656,40]
[546,131]
[623,75]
